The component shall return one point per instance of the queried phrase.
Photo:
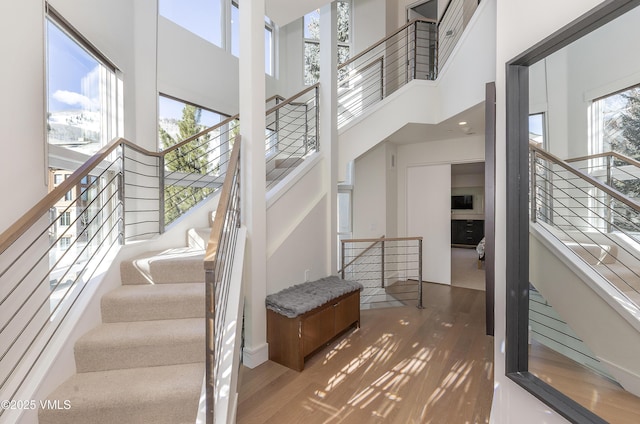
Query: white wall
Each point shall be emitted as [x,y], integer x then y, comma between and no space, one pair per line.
[22,110]
[462,150]
[428,208]
[565,83]
[297,230]
[520,24]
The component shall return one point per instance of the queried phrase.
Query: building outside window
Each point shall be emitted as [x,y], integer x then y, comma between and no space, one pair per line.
[65,219]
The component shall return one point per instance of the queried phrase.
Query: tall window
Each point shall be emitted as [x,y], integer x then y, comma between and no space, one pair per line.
[82,91]
[217,21]
[311,36]
[616,120]
[616,127]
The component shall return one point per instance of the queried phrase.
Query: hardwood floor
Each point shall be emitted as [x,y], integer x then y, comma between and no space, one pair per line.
[404,365]
[597,393]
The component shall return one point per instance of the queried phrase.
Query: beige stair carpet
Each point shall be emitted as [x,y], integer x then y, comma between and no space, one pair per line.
[145,363]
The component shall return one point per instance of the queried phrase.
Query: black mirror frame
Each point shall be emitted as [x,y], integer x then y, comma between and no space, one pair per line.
[517,186]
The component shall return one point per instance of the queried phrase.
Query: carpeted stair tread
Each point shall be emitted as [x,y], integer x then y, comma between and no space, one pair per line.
[141,344]
[158,395]
[153,301]
[181,265]
[197,238]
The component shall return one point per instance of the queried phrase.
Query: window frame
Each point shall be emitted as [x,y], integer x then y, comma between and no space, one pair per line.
[111,116]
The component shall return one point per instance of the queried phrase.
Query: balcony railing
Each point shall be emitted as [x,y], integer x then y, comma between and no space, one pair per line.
[600,224]
[367,78]
[389,269]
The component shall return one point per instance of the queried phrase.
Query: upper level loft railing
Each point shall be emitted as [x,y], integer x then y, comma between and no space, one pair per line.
[372,75]
[596,221]
[455,18]
[218,265]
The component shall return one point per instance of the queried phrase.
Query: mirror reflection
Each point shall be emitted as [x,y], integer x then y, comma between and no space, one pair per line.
[584,145]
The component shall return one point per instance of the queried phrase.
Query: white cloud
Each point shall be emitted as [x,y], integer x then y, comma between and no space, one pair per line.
[73,99]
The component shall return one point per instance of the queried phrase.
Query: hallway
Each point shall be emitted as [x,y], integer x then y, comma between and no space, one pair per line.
[404,365]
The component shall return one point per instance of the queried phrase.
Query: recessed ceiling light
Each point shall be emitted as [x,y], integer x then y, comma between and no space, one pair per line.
[462,123]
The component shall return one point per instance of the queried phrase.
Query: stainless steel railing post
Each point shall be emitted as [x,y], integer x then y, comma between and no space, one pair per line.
[420,305]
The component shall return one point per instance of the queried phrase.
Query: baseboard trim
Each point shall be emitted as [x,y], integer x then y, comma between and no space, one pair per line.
[628,379]
[252,357]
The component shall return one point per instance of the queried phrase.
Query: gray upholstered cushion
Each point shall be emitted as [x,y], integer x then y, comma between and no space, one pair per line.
[301,298]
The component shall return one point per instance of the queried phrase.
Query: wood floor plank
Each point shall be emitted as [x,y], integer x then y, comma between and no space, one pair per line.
[404,365]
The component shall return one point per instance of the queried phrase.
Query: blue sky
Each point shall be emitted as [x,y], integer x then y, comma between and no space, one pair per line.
[69,65]
[202,17]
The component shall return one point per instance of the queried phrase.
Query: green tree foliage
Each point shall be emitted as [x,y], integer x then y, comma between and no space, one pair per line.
[622,131]
[192,158]
[312,49]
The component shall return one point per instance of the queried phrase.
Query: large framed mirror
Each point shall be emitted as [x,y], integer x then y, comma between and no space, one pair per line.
[573,217]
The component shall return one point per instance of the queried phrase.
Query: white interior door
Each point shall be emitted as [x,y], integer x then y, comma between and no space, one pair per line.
[429,216]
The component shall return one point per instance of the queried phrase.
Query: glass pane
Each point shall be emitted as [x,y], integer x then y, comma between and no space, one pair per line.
[75,95]
[171,123]
[344,212]
[311,63]
[344,21]
[201,17]
[268,51]
[235,30]
[312,25]
[536,128]
[343,54]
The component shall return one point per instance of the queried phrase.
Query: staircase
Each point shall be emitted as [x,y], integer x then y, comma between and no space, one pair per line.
[585,261]
[145,363]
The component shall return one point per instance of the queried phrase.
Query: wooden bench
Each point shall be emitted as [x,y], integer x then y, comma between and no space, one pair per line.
[293,339]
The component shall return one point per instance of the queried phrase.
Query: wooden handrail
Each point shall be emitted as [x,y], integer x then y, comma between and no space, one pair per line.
[617,155]
[292,98]
[18,228]
[385,39]
[373,241]
[611,192]
[274,97]
[364,240]
[223,203]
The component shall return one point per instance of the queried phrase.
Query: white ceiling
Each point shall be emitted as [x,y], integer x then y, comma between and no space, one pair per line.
[418,133]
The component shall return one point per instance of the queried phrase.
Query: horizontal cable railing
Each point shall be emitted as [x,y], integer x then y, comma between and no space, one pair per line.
[597,222]
[218,265]
[367,78]
[48,257]
[292,133]
[123,193]
[612,168]
[451,26]
[195,168]
[390,269]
